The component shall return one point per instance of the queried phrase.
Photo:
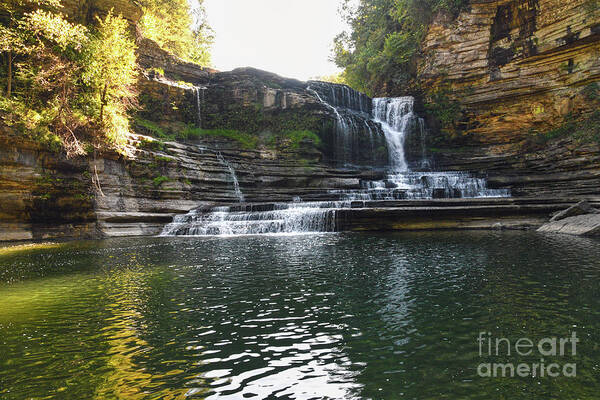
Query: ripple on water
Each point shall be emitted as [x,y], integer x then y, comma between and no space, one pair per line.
[324,316]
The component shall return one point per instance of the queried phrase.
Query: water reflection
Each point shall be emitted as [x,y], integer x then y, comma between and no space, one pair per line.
[324,316]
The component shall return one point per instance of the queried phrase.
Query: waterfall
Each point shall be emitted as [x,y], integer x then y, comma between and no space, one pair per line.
[234,179]
[247,220]
[397,118]
[360,123]
[199,95]
[353,122]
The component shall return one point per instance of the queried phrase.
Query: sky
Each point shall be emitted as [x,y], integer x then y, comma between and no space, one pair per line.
[292,38]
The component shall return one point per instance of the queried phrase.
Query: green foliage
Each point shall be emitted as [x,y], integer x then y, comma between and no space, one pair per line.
[163,159]
[151,128]
[157,71]
[592,91]
[110,72]
[179,28]
[583,131]
[444,108]
[297,137]
[378,54]
[291,138]
[246,140]
[159,180]
[592,7]
[339,78]
[64,80]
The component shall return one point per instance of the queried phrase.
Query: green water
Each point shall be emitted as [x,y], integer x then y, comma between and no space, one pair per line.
[386,316]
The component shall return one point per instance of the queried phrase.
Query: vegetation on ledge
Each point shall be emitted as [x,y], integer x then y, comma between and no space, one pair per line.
[584,130]
[290,139]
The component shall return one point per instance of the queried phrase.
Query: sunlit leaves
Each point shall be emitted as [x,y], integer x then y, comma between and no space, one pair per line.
[44,26]
[73,81]
[379,52]
[110,71]
[178,28]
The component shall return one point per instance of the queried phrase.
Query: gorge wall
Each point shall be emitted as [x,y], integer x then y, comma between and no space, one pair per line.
[519,68]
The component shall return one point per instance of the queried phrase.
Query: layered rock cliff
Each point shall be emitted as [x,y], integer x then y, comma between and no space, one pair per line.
[519,69]
[246,145]
[518,64]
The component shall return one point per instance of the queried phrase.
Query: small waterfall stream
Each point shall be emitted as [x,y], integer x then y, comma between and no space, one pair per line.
[234,179]
[357,118]
[397,118]
[199,95]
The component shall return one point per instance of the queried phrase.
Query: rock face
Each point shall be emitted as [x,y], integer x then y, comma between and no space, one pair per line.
[42,194]
[517,64]
[580,225]
[518,68]
[581,208]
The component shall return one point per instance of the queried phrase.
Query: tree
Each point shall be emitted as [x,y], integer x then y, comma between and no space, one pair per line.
[13,30]
[111,73]
[378,54]
[178,28]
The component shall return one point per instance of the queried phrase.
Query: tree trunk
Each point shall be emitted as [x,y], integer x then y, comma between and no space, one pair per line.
[103,101]
[9,79]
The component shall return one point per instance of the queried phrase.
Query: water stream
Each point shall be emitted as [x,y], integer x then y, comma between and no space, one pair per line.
[199,95]
[234,179]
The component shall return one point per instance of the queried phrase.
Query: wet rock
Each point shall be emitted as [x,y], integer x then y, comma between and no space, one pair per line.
[581,208]
[580,225]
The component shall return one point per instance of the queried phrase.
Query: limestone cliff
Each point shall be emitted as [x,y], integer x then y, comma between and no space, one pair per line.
[518,68]
[517,64]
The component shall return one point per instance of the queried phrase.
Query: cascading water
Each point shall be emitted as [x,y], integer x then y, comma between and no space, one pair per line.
[356,134]
[234,179]
[396,117]
[199,95]
[398,120]
[276,219]
[361,124]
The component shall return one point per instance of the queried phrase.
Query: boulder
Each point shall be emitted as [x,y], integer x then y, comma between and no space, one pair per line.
[581,208]
[580,225]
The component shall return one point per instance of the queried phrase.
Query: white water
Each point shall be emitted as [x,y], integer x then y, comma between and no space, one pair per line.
[199,94]
[234,179]
[283,218]
[396,119]
[353,120]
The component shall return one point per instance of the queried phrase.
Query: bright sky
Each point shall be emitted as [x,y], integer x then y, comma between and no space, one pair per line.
[292,38]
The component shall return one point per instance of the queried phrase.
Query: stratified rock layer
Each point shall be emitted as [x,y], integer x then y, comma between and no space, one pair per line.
[517,64]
